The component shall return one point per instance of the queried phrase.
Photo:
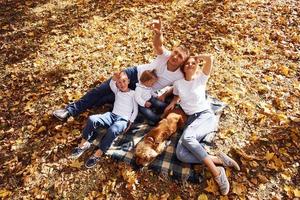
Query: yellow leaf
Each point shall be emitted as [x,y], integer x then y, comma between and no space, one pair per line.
[284,70]
[286,176]
[76,164]
[297,192]
[224,198]
[41,129]
[289,191]
[238,188]
[268,78]
[164,196]
[269,156]
[4,193]
[279,164]
[211,186]
[202,197]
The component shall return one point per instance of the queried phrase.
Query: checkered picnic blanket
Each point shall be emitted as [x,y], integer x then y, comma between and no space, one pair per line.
[167,162]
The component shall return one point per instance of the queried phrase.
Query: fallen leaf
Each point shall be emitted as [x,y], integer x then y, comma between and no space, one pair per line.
[238,188]
[76,164]
[212,187]
[297,192]
[41,129]
[269,156]
[202,197]
[4,193]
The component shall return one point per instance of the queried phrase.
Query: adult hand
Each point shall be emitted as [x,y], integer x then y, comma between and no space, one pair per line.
[148,104]
[170,107]
[156,26]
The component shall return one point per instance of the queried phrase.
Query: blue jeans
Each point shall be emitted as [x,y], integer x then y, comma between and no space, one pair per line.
[154,112]
[114,124]
[189,148]
[100,95]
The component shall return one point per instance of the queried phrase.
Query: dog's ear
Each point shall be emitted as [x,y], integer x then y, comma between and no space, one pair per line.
[150,139]
[180,122]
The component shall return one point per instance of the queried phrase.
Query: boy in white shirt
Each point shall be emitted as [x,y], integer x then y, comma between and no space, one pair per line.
[118,121]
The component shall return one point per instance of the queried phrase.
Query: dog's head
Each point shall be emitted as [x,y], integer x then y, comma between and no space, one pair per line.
[144,153]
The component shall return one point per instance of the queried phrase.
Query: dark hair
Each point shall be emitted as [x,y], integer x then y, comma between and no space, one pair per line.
[148,75]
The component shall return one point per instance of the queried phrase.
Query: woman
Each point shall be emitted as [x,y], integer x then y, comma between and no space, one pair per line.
[191,92]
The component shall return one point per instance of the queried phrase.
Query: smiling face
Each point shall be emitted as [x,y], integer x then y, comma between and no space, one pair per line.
[190,67]
[122,83]
[178,56]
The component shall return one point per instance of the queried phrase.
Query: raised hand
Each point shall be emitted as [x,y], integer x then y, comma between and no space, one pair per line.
[156,26]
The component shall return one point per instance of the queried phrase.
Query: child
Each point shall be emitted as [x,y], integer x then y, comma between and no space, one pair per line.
[146,98]
[143,90]
[119,120]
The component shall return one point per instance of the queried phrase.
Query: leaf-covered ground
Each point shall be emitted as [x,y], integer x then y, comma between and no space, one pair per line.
[52,52]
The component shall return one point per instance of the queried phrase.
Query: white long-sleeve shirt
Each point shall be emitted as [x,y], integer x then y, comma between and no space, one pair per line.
[143,94]
[125,105]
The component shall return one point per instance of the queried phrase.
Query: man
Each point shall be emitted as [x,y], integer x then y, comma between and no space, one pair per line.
[167,64]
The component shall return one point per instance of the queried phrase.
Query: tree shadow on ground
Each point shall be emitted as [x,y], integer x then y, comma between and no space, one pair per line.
[268,156]
[23,30]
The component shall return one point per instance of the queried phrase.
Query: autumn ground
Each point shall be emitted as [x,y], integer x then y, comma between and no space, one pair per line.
[52,52]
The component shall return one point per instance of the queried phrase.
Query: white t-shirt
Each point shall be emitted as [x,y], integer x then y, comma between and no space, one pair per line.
[143,94]
[165,77]
[192,94]
[125,104]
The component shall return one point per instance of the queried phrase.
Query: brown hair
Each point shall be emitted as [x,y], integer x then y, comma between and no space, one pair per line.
[182,66]
[148,75]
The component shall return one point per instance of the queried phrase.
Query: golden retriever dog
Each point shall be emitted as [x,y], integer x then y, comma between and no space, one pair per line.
[154,141]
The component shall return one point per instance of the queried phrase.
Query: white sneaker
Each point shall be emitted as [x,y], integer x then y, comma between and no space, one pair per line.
[222,181]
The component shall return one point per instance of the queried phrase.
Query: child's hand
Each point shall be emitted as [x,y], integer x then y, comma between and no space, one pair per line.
[162,97]
[156,26]
[148,104]
[128,126]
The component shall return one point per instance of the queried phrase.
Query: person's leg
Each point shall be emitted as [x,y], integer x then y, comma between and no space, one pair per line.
[95,97]
[151,116]
[112,132]
[190,138]
[184,155]
[89,133]
[94,122]
[157,105]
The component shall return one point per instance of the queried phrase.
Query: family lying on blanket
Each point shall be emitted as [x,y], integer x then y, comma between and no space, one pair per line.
[133,90]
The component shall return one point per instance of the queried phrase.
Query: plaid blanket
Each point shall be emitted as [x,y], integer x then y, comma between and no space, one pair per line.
[167,162]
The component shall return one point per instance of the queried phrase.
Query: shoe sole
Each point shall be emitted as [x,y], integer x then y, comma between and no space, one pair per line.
[59,118]
[89,167]
[77,156]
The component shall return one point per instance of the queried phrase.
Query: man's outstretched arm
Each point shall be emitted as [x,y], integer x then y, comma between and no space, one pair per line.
[158,38]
